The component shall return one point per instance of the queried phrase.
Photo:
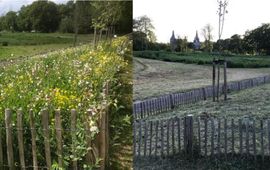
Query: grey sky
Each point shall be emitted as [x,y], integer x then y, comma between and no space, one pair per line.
[15,5]
[187,16]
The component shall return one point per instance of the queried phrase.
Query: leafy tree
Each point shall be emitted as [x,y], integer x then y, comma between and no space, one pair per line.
[66,25]
[258,39]
[139,40]
[236,44]
[207,34]
[9,21]
[182,44]
[24,20]
[124,25]
[106,16]
[2,23]
[144,24]
[44,16]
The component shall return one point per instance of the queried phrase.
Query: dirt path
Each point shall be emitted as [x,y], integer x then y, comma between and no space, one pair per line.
[153,77]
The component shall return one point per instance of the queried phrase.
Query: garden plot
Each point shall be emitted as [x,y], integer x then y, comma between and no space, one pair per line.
[154,78]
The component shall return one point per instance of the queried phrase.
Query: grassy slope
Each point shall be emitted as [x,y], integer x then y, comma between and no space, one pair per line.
[28,44]
[153,77]
[253,102]
[233,61]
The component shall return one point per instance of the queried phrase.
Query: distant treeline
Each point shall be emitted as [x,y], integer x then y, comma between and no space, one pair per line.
[81,17]
[256,41]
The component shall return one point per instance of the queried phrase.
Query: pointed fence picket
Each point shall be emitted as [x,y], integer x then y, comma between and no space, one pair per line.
[13,147]
[157,105]
[204,136]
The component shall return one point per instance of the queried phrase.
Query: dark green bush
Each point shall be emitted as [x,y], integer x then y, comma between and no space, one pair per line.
[233,61]
[4,43]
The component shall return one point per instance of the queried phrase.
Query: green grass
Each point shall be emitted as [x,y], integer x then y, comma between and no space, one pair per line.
[233,61]
[254,102]
[11,52]
[28,44]
[40,38]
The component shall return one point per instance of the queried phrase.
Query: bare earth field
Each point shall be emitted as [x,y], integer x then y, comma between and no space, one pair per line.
[152,77]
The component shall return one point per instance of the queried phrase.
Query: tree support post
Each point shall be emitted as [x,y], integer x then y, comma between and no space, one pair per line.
[225,80]
[214,78]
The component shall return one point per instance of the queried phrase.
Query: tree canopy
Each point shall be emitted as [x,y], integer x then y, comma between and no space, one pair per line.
[46,16]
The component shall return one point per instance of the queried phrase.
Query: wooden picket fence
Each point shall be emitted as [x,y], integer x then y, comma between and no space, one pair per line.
[14,147]
[157,105]
[197,136]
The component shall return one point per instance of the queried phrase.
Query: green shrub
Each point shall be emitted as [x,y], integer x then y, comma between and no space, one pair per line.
[4,43]
[202,58]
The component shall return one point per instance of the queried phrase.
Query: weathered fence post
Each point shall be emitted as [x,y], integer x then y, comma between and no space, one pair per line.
[104,132]
[172,101]
[58,131]
[188,134]
[45,126]
[20,137]
[93,152]
[73,119]
[33,139]
[204,94]
[1,148]
[9,139]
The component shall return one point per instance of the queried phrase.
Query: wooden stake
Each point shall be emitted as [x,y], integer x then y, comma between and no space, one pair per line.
[33,139]
[225,80]
[9,139]
[214,79]
[45,126]
[58,131]
[20,138]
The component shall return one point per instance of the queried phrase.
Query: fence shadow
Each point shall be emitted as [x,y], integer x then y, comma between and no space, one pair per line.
[221,162]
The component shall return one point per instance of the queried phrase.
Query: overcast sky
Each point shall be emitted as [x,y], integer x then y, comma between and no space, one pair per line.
[15,5]
[187,16]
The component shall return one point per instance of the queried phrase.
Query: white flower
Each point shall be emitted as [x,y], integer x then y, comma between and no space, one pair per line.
[93,129]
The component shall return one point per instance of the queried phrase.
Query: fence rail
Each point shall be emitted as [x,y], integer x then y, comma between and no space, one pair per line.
[26,146]
[153,106]
[247,137]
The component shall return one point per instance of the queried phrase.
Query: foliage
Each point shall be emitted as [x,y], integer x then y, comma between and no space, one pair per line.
[9,21]
[66,25]
[144,24]
[207,34]
[259,39]
[233,61]
[120,116]
[46,16]
[66,79]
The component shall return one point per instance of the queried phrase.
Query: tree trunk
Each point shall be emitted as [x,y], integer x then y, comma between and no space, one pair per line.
[75,25]
[95,36]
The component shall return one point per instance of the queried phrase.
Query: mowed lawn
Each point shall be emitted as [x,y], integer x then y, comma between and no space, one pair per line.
[153,77]
[29,44]
[253,103]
